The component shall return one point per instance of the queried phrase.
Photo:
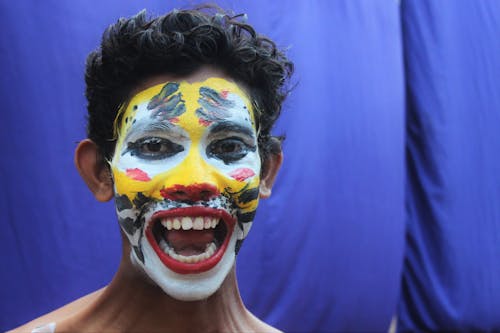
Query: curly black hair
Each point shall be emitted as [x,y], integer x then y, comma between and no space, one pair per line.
[179,43]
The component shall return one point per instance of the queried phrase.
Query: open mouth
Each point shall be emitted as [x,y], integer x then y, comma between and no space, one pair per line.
[190,240]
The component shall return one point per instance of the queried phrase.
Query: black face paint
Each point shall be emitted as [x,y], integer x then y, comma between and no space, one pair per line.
[214,107]
[128,225]
[140,200]
[228,126]
[166,106]
[237,246]
[153,148]
[139,222]
[167,90]
[249,195]
[170,109]
[122,202]
[229,150]
[138,253]
[246,217]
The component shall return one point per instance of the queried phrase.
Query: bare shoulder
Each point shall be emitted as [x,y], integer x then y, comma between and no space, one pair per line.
[58,315]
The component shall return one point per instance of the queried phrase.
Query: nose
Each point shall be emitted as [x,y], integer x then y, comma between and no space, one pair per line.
[194,192]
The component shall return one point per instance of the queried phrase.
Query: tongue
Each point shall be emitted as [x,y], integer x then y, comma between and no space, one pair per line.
[189,242]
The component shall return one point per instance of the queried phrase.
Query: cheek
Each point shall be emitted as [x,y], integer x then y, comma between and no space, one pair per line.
[244,193]
[239,177]
[243,170]
[241,174]
[137,174]
[132,181]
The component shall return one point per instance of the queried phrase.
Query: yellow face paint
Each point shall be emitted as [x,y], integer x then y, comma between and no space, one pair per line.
[186,156]
[196,121]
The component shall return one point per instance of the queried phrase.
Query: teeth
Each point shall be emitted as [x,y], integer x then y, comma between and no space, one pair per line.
[176,223]
[167,223]
[163,245]
[188,223]
[198,223]
[212,247]
[209,251]
[207,222]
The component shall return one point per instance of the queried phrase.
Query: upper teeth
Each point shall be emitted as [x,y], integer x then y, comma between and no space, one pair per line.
[188,223]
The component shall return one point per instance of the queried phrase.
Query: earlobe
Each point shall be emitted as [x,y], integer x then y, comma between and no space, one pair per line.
[271,167]
[93,170]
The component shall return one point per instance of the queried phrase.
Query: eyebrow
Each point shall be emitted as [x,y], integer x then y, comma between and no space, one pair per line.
[229,126]
[149,126]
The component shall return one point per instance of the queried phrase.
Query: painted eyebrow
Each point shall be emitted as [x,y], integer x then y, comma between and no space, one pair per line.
[229,126]
[147,126]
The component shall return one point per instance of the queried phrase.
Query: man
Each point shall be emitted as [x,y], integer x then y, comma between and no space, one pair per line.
[180,109]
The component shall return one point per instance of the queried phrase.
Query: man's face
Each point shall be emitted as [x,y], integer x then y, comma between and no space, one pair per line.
[186,173]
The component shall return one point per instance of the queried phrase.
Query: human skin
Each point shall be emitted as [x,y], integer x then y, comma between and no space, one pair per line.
[132,302]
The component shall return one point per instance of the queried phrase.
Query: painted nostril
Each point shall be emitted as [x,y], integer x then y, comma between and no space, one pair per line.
[195,192]
[205,195]
[181,196]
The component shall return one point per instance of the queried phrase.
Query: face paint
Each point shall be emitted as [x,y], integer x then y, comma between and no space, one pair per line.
[186,173]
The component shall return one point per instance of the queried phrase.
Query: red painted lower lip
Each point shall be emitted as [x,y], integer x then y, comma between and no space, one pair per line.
[193,268]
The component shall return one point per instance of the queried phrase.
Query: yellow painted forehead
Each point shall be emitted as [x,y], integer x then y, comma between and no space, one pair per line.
[190,96]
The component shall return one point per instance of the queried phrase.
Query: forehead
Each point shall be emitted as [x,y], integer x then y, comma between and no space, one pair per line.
[204,102]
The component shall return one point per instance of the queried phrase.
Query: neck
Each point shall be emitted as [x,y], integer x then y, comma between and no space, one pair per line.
[133,303]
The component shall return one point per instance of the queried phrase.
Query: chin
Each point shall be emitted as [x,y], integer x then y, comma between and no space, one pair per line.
[199,281]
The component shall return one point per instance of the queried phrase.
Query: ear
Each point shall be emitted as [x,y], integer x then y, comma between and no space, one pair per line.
[94,170]
[271,167]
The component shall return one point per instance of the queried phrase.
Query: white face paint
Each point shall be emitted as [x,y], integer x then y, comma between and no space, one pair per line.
[186,171]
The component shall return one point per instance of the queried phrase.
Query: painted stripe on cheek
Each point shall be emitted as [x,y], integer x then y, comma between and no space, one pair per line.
[249,195]
[241,174]
[137,174]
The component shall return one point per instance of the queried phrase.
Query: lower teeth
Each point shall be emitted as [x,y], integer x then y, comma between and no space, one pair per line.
[209,251]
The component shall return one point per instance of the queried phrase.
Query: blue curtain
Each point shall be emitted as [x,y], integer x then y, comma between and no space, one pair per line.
[452,269]
[326,250]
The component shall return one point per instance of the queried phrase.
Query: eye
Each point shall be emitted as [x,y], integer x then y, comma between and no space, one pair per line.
[229,150]
[153,148]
